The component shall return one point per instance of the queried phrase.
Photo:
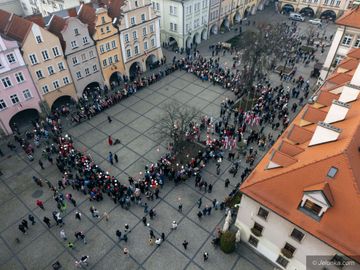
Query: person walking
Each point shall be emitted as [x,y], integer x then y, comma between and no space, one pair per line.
[144,221]
[126,251]
[63,235]
[109,119]
[206,256]
[116,158]
[158,242]
[22,228]
[180,207]
[174,225]
[185,244]
[41,164]
[78,215]
[127,228]
[32,219]
[106,216]
[25,224]
[111,158]
[110,141]
[199,202]
[163,236]
[118,234]
[227,182]
[47,222]
[70,245]
[40,204]
[152,235]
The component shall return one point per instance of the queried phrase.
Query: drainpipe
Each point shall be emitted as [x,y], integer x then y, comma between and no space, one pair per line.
[183,31]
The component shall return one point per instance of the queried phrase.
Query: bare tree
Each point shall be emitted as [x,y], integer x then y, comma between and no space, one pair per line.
[177,123]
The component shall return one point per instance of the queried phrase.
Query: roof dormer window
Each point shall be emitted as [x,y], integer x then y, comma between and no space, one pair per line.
[312,208]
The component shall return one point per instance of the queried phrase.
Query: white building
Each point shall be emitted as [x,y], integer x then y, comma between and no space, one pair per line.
[12,6]
[46,7]
[346,38]
[183,23]
[299,207]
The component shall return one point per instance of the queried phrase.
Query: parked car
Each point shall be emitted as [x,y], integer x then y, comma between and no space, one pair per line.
[315,21]
[296,17]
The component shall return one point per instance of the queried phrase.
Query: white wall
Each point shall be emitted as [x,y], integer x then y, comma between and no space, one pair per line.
[276,233]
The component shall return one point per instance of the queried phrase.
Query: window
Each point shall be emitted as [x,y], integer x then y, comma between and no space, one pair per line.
[85,40]
[76,31]
[110,60]
[143,18]
[136,49]
[312,207]
[338,2]
[337,60]
[87,71]
[288,251]
[282,261]
[14,99]
[107,28]
[173,10]
[6,82]
[151,28]
[66,80]
[153,44]
[297,235]
[27,94]
[132,20]
[107,46]
[75,61]
[126,37]
[253,241]
[105,62]
[45,55]
[95,68]
[144,31]
[157,6]
[33,59]
[55,51]
[61,66]
[102,49]
[83,57]
[103,20]
[134,34]
[1,65]
[347,40]
[145,45]
[332,172]
[11,58]
[19,77]
[78,75]
[45,89]
[136,4]
[357,43]
[56,84]
[39,74]
[51,70]
[2,105]
[257,229]
[116,59]
[128,53]
[263,213]
[113,44]
[73,44]
[91,54]
[102,30]
[38,39]
[173,27]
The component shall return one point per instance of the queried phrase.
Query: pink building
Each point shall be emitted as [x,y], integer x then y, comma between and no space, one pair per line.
[18,95]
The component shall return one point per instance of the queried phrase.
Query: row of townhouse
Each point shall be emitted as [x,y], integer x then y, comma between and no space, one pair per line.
[46,61]
[186,23]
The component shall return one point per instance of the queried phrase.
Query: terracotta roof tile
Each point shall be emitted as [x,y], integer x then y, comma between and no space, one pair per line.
[313,115]
[38,19]
[299,135]
[72,12]
[326,98]
[354,53]
[55,26]
[4,20]
[339,78]
[348,64]
[18,28]
[282,159]
[87,15]
[350,18]
[114,8]
[290,149]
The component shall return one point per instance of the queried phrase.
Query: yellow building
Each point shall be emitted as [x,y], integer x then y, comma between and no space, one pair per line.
[139,28]
[43,55]
[106,37]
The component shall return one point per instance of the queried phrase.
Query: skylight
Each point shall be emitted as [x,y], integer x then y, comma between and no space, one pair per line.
[332,172]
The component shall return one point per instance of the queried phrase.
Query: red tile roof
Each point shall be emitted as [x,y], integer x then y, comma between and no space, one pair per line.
[4,20]
[38,19]
[18,28]
[281,189]
[114,8]
[55,26]
[313,115]
[354,53]
[87,14]
[350,18]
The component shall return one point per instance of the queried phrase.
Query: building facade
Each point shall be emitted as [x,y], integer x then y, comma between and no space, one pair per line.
[80,52]
[295,204]
[17,90]
[346,38]
[107,42]
[12,6]
[46,7]
[43,55]
[139,28]
[326,9]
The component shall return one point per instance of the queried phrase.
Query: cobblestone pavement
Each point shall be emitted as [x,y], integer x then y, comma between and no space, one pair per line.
[133,120]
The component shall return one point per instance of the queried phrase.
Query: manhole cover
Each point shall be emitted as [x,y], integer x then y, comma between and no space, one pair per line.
[37,193]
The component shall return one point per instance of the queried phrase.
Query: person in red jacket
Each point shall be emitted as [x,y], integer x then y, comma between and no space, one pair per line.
[110,141]
[40,204]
